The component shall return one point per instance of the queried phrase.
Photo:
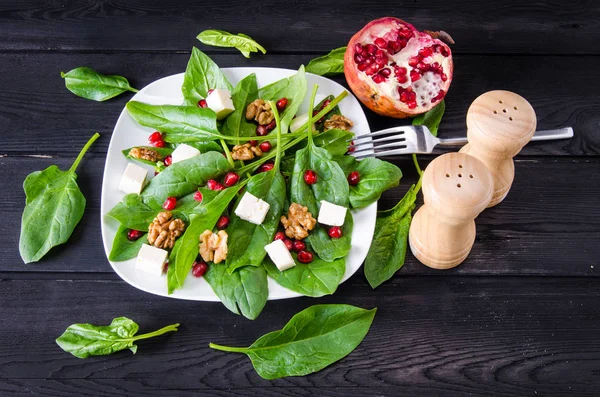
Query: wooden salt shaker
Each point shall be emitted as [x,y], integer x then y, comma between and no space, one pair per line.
[456,188]
[499,124]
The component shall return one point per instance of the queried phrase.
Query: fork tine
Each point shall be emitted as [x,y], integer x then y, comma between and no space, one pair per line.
[399,130]
[399,145]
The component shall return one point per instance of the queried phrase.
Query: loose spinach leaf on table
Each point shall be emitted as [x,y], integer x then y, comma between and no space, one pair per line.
[431,118]
[244,93]
[376,176]
[85,340]
[328,65]
[201,75]
[314,279]
[312,340]
[244,292]
[89,84]
[124,249]
[180,124]
[388,250]
[220,38]
[293,88]
[54,205]
[162,151]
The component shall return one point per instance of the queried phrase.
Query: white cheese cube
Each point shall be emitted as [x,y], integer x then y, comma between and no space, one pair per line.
[220,102]
[151,260]
[331,214]
[280,255]
[133,179]
[183,152]
[252,209]
[298,122]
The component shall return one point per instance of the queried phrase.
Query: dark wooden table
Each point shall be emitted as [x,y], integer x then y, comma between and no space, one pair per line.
[518,318]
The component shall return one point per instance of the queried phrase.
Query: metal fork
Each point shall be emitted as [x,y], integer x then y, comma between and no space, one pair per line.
[410,139]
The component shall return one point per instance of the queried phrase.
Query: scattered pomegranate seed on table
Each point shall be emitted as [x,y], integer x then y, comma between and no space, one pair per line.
[265,146]
[305,257]
[198,196]
[335,232]
[310,177]
[354,178]
[231,179]
[199,268]
[223,222]
[133,235]
[170,203]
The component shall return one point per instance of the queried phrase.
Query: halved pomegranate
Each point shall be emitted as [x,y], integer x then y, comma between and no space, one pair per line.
[395,70]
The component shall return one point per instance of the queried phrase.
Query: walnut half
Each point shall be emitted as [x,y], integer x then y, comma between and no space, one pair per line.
[163,230]
[260,111]
[298,222]
[339,122]
[213,247]
[245,152]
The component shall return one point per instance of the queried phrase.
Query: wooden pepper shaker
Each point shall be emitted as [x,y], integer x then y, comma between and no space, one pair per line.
[456,188]
[499,124]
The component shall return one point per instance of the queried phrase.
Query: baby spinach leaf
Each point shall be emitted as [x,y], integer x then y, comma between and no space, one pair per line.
[244,93]
[123,249]
[334,141]
[54,205]
[312,340]
[320,123]
[201,75]
[244,291]
[330,249]
[133,213]
[89,84]
[84,340]
[376,176]
[328,65]
[179,123]
[388,249]
[293,88]
[206,146]
[221,38]
[347,163]
[314,279]
[432,118]
[162,151]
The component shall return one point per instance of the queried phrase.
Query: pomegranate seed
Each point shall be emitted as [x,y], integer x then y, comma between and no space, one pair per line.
[371,48]
[381,43]
[202,103]
[223,222]
[414,75]
[156,173]
[393,47]
[165,267]
[381,62]
[402,44]
[378,78]
[231,179]
[412,96]
[358,48]
[299,246]
[441,94]
[281,104]
[435,66]
[404,97]
[437,48]
[288,244]
[335,232]
[362,66]
[423,66]
[170,203]
[385,72]
[266,167]
[219,187]
[310,177]
[413,61]
[425,52]
[211,184]
[168,160]
[160,143]
[412,105]
[351,148]
[198,196]
[199,269]
[368,61]
[405,33]
[358,58]
[209,91]
[261,130]
[444,51]
[265,146]
[253,143]
[271,126]
[279,236]
[354,178]
[133,235]
[305,257]
[371,70]
[155,136]
[444,77]
[326,103]
[402,79]
[400,70]
[380,54]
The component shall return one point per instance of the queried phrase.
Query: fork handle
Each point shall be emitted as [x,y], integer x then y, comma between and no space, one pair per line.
[540,135]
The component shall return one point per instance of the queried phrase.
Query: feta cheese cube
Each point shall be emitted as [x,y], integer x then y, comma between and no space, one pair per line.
[220,102]
[298,122]
[331,214]
[133,179]
[151,260]
[280,255]
[252,209]
[183,152]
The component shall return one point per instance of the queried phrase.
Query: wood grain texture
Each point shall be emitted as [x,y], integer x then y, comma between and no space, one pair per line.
[549,224]
[459,336]
[38,109]
[495,26]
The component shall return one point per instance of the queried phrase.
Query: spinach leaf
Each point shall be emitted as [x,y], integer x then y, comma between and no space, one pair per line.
[133,213]
[221,38]
[206,146]
[320,123]
[244,292]
[84,340]
[123,249]
[244,93]
[314,279]
[376,176]
[180,123]
[432,118]
[312,340]
[388,250]
[89,84]
[201,75]
[347,163]
[293,88]
[331,249]
[328,65]
[334,141]
[54,205]
[162,151]
[185,251]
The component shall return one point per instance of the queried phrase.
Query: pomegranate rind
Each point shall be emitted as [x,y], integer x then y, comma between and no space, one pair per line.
[366,91]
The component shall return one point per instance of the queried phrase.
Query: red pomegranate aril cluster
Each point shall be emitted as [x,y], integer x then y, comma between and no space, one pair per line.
[199,268]
[170,203]
[310,177]
[231,179]
[408,96]
[223,222]
[133,235]
[265,146]
[305,256]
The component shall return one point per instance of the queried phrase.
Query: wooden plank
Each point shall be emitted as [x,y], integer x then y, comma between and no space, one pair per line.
[436,336]
[548,224]
[490,27]
[41,117]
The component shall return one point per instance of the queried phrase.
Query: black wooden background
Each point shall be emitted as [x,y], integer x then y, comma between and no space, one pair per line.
[518,318]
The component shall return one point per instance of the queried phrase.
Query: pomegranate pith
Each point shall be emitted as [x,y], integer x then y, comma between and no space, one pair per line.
[395,70]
